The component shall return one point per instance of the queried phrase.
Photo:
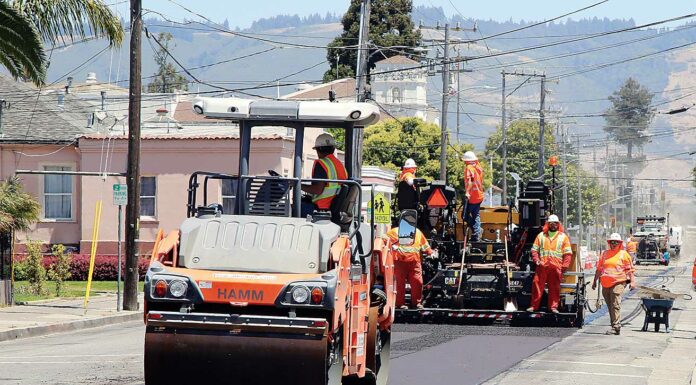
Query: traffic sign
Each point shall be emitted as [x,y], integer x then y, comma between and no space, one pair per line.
[381,207]
[120,194]
[619,205]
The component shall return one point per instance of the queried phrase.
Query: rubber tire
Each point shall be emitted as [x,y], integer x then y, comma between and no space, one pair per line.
[335,373]
[378,365]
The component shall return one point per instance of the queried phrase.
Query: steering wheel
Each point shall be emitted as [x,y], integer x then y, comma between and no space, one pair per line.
[273,173]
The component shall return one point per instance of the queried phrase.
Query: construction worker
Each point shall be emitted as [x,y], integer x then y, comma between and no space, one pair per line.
[326,167]
[614,271]
[632,248]
[407,259]
[552,255]
[406,195]
[473,186]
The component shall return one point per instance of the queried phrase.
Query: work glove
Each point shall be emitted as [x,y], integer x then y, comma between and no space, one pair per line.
[594,285]
[433,255]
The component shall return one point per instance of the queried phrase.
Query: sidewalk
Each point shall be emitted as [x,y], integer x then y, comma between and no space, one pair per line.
[61,315]
[634,357]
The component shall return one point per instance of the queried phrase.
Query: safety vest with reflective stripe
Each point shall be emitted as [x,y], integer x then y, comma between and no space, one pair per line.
[406,175]
[334,170]
[614,267]
[631,247]
[552,250]
[409,253]
[474,183]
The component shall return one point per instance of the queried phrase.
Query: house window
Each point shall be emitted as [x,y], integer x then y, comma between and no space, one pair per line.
[148,196]
[229,195]
[58,191]
[396,95]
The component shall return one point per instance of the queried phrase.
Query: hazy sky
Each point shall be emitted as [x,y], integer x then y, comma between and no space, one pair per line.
[242,12]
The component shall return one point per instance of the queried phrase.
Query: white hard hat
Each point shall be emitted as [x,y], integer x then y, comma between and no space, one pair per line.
[410,163]
[469,156]
[553,218]
[615,237]
[325,140]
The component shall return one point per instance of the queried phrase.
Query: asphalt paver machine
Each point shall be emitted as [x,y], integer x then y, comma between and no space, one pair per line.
[489,280]
[261,295]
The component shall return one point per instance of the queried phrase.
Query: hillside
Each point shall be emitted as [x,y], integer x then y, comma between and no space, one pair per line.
[289,49]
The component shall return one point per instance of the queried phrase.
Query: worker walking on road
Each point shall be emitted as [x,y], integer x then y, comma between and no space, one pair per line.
[326,167]
[473,186]
[614,271]
[552,255]
[407,260]
[406,195]
[632,248]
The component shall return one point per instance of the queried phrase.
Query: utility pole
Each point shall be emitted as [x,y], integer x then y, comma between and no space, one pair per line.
[564,155]
[503,127]
[540,166]
[459,65]
[541,122]
[360,82]
[445,102]
[606,168]
[130,287]
[580,228]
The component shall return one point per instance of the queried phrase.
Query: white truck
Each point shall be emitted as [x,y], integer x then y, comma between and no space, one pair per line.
[675,240]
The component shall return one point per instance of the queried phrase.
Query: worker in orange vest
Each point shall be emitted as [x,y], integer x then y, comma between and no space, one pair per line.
[552,254]
[406,195]
[614,271]
[407,259]
[632,247]
[326,167]
[473,186]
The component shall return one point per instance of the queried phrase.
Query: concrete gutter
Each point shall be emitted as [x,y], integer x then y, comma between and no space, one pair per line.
[41,330]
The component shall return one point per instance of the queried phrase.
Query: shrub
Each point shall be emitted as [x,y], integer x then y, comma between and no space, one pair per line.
[105,267]
[60,270]
[36,272]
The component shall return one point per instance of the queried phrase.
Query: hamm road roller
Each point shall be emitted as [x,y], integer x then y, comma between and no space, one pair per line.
[254,293]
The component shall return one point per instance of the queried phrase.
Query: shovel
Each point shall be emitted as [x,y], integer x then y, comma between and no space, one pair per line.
[510,303]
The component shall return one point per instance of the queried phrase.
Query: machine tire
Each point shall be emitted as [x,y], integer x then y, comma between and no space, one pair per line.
[378,353]
[334,375]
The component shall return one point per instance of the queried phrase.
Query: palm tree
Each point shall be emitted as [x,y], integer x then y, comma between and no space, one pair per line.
[18,210]
[23,23]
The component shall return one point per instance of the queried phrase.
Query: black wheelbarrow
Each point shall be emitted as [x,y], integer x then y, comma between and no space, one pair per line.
[657,312]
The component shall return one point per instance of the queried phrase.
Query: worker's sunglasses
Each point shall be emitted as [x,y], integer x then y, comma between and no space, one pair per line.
[614,242]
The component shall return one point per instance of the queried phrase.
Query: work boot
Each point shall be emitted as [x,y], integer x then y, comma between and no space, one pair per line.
[530,310]
[554,311]
[617,331]
[403,307]
[419,306]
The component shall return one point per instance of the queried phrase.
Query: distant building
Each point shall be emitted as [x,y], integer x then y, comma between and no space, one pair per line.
[401,89]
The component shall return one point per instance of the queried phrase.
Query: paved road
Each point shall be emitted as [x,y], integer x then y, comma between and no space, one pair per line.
[421,354]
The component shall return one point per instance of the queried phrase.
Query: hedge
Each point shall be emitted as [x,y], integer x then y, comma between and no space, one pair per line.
[105,267]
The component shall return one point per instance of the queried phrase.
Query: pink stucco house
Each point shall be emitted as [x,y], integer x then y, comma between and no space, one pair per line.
[60,131]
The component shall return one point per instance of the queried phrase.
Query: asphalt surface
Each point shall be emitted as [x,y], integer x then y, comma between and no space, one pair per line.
[421,354]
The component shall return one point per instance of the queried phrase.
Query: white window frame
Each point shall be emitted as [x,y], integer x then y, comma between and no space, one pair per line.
[154,197]
[396,95]
[71,167]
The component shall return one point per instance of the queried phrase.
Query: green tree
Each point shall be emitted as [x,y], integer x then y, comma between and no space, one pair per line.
[629,116]
[522,152]
[390,142]
[59,272]
[591,195]
[167,79]
[25,23]
[36,272]
[390,26]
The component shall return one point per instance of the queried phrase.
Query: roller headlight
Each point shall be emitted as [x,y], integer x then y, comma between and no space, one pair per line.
[178,288]
[300,294]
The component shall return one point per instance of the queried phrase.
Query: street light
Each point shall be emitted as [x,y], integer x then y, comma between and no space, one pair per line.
[517,179]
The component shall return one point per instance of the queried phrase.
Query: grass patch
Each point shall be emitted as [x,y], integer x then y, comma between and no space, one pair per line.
[70,289]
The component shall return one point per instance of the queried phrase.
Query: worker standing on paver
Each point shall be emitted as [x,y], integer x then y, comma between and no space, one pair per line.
[407,261]
[614,271]
[552,255]
[473,186]
[406,195]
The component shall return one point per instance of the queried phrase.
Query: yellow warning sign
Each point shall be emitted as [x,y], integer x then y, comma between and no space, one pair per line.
[381,207]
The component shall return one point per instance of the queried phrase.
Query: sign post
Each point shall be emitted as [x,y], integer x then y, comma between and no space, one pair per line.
[120,200]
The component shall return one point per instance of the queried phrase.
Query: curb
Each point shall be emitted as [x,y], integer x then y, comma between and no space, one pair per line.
[36,331]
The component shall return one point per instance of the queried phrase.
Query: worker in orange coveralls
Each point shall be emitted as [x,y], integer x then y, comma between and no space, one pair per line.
[409,245]
[552,255]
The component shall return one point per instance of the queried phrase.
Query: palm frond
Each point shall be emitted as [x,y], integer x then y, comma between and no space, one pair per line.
[57,19]
[18,210]
[21,49]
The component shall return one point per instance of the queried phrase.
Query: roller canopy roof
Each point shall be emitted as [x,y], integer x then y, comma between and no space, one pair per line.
[359,114]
